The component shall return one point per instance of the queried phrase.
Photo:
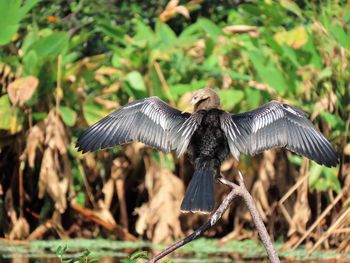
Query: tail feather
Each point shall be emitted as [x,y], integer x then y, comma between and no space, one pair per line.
[199,195]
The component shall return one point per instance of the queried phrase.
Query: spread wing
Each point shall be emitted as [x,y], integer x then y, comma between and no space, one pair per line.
[277,125]
[150,121]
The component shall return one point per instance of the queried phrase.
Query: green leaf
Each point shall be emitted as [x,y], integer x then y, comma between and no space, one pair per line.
[314,175]
[214,70]
[291,54]
[333,120]
[210,28]
[332,179]
[7,33]
[346,16]
[339,34]
[10,117]
[325,73]
[292,7]
[190,34]
[316,57]
[180,89]
[29,4]
[28,40]
[253,97]
[135,80]
[38,116]
[267,71]
[165,34]
[68,115]
[5,113]
[112,31]
[143,32]
[323,179]
[11,13]
[230,97]
[30,61]
[52,45]
[139,255]
[93,112]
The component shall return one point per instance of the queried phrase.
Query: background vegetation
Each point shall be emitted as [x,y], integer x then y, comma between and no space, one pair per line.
[66,64]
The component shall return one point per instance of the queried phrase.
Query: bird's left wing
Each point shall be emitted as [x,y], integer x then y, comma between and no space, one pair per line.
[276,125]
[150,121]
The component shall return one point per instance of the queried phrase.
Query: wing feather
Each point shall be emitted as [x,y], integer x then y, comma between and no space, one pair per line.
[276,125]
[150,121]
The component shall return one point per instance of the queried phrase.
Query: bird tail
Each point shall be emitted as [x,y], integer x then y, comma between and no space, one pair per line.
[199,195]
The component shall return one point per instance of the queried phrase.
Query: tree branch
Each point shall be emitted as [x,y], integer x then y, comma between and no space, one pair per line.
[237,190]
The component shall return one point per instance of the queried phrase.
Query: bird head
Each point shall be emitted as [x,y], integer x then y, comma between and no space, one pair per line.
[204,99]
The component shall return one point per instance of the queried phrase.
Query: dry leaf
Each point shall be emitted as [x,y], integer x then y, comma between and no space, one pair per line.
[112,89]
[108,191]
[159,218]
[107,104]
[120,170]
[56,137]
[241,29]
[226,81]
[326,104]
[172,9]
[197,51]
[20,229]
[6,77]
[261,86]
[301,207]
[103,213]
[261,186]
[50,182]
[35,140]
[110,71]
[22,90]
[347,149]
[55,169]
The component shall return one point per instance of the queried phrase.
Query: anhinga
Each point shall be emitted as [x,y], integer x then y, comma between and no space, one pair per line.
[208,135]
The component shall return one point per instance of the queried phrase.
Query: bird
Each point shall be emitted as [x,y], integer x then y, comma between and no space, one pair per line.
[208,136]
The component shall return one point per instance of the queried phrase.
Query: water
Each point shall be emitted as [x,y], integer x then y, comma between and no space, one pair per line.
[108,251]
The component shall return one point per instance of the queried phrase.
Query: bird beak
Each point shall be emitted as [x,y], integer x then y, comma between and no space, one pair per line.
[192,102]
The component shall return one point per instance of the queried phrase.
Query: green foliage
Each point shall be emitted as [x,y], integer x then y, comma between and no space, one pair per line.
[136,257]
[60,251]
[10,117]
[85,256]
[68,115]
[11,13]
[93,112]
[323,179]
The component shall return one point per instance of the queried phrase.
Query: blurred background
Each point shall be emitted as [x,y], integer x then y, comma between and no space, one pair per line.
[66,64]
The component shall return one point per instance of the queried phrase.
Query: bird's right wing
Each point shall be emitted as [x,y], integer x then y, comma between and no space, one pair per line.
[276,125]
[150,121]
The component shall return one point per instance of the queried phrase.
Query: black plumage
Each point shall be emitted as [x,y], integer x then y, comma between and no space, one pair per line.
[208,135]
